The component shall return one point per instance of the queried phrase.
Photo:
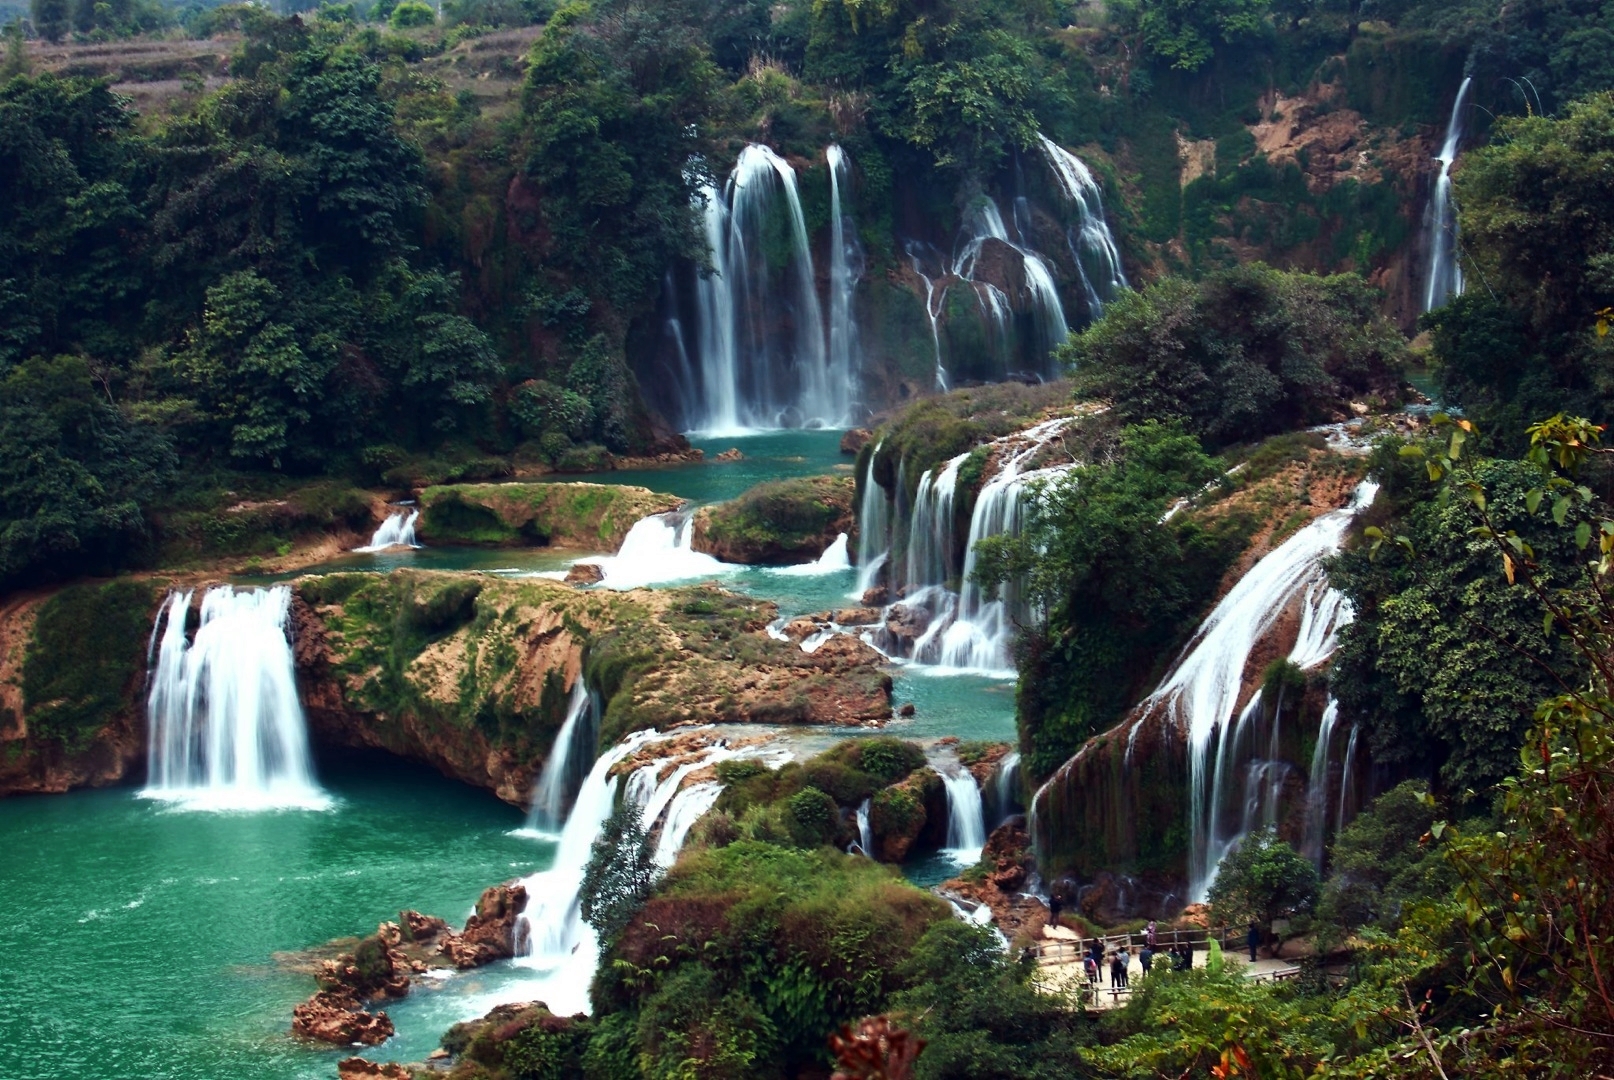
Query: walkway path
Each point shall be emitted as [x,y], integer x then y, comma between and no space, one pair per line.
[1070,977]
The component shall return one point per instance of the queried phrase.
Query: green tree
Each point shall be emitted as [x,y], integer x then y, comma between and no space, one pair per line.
[1261,880]
[620,873]
[1185,33]
[1117,581]
[1246,352]
[410,14]
[76,475]
[1382,861]
[51,18]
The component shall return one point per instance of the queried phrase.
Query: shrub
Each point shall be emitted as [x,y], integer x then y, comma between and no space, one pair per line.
[410,14]
[813,817]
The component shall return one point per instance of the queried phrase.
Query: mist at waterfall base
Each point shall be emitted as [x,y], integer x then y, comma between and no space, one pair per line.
[139,939]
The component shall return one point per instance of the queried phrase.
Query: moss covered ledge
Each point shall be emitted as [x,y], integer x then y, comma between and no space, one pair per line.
[778,523]
[587,517]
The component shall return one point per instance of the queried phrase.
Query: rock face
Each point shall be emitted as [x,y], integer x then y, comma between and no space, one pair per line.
[855,440]
[778,523]
[337,1016]
[1009,852]
[72,678]
[588,517]
[416,663]
[490,934]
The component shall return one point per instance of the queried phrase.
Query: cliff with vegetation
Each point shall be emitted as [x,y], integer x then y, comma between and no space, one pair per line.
[584,517]
[778,523]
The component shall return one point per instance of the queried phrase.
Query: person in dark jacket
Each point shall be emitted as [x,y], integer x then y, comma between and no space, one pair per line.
[1118,973]
[1253,938]
[1145,959]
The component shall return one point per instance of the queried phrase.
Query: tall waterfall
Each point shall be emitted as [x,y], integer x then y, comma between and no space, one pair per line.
[551,935]
[965,628]
[845,271]
[1006,789]
[226,729]
[794,379]
[865,833]
[567,765]
[966,817]
[1203,691]
[1445,276]
[982,222]
[1092,246]
[873,528]
[397,531]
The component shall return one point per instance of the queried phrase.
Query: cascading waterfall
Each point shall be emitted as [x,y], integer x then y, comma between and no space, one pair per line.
[685,809]
[967,630]
[551,935]
[1202,692]
[567,765]
[1092,246]
[397,531]
[226,729]
[873,529]
[984,222]
[657,549]
[1318,781]
[966,817]
[933,303]
[834,560]
[1445,275]
[845,271]
[865,833]
[1007,788]
[794,383]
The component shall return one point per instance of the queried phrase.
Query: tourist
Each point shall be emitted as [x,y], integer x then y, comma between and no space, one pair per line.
[1146,958]
[1118,972]
[1185,958]
[1149,935]
[1254,939]
[1053,909]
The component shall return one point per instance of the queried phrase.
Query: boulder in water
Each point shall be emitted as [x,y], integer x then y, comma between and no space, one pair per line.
[876,597]
[731,454]
[357,1068]
[336,1016]
[858,616]
[907,622]
[585,573]
[855,440]
[490,934]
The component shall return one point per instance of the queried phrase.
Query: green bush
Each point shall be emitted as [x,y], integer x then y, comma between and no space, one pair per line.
[813,817]
[410,14]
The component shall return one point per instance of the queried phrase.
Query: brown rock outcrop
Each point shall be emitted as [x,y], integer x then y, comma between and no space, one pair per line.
[357,1068]
[337,1016]
[490,934]
[906,622]
[585,573]
[855,440]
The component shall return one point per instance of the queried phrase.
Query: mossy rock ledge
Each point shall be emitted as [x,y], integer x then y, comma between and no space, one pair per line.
[471,674]
[586,517]
[779,523]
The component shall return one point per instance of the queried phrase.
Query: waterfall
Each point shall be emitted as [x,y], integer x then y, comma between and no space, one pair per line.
[1345,778]
[873,528]
[685,809]
[226,729]
[930,534]
[657,549]
[789,380]
[966,817]
[984,222]
[1202,692]
[834,560]
[865,834]
[551,935]
[1317,781]
[1007,787]
[566,768]
[845,271]
[1092,246]
[1445,276]
[715,325]
[933,303]
[397,531]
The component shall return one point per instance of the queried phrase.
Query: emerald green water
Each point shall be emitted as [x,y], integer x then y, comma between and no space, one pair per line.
[139,941]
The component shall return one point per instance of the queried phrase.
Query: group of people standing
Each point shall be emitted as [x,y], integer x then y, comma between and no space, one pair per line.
[1179,957]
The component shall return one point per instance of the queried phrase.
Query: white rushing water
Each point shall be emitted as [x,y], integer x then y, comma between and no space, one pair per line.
[1202,692]
[567,764]
[397,531]
[865,833]
[1444,278]
[982,222]
[751,377]
[656,550]
[685,809]
[845,271]
[1007,788]
[226,729]
[966,817]
[873,529]
[1092,246]
[551,937]
[832,561]
[934,299]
